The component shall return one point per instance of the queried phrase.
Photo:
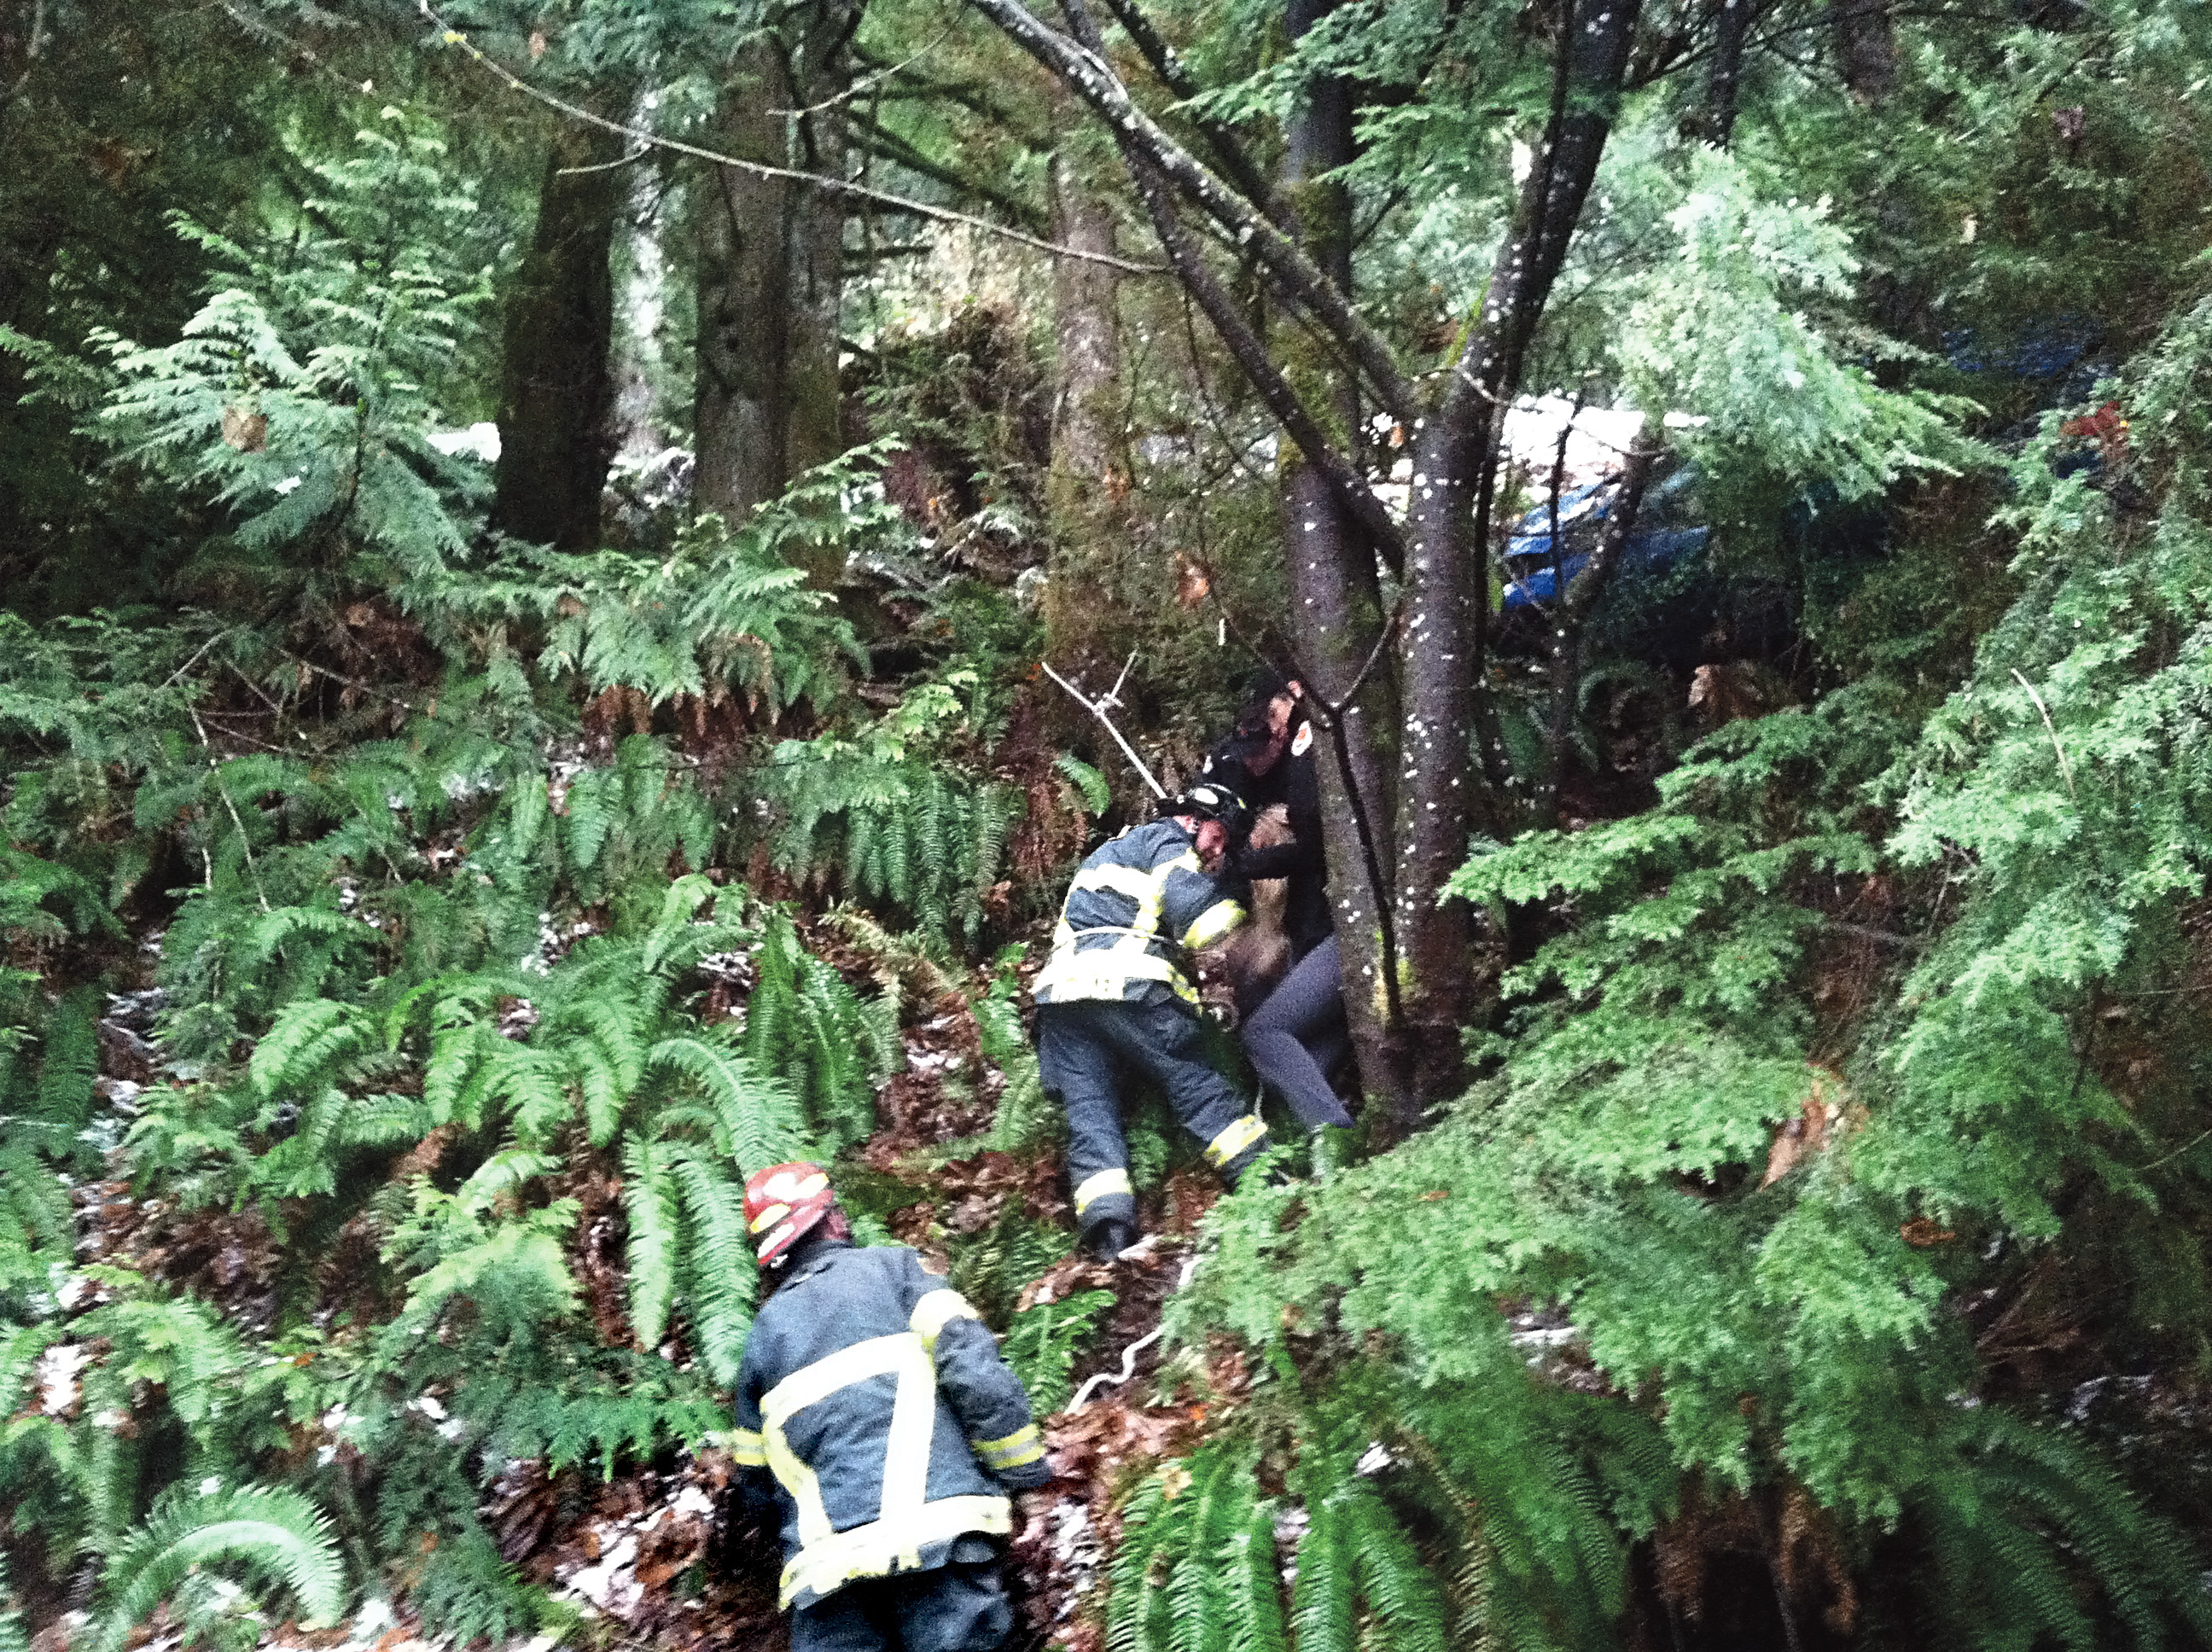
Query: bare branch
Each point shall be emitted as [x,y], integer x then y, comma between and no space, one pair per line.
[1302,281]
[760,169]
[1176,75]
[1236,332]
[885,145]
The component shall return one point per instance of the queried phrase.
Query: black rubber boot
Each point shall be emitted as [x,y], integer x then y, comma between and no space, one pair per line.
[1109,1238]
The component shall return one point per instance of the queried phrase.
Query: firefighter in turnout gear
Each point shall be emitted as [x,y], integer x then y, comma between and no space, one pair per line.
[1116,994]
[893,1431]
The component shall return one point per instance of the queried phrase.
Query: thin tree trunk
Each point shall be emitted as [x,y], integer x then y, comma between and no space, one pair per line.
[1336,608]
[1732,24]
[556,397]
[1441,646]
[770,257]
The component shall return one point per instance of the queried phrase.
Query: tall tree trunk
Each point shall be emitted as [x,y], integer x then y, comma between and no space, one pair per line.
[1336,606]
[771,251]
[1866,47]
[1086,486]
[1089,469]
[1442,644]
[556,395]
[641,309]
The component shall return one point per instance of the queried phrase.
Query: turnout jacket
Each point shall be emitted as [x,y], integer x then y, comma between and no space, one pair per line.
[1140,902]
[879,1403]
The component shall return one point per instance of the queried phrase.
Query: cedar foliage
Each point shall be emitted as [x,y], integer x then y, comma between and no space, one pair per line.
[1869,1033]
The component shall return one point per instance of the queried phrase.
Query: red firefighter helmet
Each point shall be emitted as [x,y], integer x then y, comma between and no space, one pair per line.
[783,1202]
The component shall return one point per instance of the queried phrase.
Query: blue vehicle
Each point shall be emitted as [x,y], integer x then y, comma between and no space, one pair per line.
[1671,600]
[1675,600]
[1667,534]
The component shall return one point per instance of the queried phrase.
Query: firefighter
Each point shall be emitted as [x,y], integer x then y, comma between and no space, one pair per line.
[877,1402]
[1117,993]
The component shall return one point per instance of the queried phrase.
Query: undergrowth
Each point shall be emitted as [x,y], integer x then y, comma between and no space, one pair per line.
[482,894]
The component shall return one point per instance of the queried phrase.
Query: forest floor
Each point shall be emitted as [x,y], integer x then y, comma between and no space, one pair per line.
[649,1556]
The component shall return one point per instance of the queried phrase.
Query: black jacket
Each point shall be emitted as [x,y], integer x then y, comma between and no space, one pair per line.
[879,1402]
[1292,783]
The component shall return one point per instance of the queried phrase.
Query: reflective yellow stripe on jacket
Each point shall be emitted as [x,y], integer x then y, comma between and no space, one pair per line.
[1234,1138]
[864,1551]
[1106,971]
[936,1310]
[1024,1445]
[1098,1186]
[1211,925]
[907,1521]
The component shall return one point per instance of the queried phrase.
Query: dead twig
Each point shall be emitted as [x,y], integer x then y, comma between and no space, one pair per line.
[2065,768]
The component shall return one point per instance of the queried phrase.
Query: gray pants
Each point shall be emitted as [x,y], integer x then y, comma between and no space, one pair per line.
[960,1607]
[1084,1048]
[1299,1033]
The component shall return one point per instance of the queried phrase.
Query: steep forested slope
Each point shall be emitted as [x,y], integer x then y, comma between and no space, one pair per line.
[1777,1213]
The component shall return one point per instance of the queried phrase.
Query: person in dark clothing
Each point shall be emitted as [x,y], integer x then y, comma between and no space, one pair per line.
[1298,1033]
[1116,995]
[873,1409]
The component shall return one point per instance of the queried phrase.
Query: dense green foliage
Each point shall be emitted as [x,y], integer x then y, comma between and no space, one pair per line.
[410,937]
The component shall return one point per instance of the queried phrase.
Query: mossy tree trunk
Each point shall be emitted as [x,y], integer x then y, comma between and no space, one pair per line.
[1336,600]
[556,433]
[1090,465]
[769,257]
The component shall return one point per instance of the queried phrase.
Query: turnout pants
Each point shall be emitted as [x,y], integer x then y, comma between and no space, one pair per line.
[960,1607]
[1084,1046]
[1299,1033]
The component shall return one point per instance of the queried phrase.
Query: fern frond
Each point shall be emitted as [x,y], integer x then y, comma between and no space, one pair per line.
[1256,1600]
[1097,796]
[1143,1520]
[1324,1600]
[608,1059]
[306,1046]
[721,1275]
[69,1059]
[758,1113]
[1399,1587]
[590,817]
[385,1121]
[286,927]
[471,1593]
[273,1533]
[649,1200]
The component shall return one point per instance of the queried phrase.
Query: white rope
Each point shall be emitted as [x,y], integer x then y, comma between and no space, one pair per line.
[1129,1354]
[1097,709]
